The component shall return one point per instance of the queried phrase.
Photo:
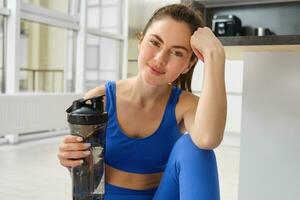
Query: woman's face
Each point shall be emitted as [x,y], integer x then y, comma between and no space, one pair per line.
[164,51]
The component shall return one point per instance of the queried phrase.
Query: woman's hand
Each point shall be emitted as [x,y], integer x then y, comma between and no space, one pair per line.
[204,43]
[72,151]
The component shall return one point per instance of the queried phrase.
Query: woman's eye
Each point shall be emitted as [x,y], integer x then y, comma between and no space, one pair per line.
[154,42]
[177,53]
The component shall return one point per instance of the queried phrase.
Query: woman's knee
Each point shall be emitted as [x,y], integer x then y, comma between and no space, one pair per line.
[195,168]
[186,156]
[185,149]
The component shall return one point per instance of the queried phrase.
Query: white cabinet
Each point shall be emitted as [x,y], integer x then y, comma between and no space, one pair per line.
[270,132]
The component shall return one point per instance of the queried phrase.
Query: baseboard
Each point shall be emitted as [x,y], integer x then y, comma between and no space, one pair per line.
[20,138]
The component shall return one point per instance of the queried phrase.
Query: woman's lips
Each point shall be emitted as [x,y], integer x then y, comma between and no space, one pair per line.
[155,71]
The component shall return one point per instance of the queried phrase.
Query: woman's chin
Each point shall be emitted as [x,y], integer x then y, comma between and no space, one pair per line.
[149,79]
[152,79]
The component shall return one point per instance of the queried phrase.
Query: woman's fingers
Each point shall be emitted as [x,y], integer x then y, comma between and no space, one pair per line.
[71,163]
[72,150]
[72,158]
[73,154]
[74,146]
[204,41]
[72,139]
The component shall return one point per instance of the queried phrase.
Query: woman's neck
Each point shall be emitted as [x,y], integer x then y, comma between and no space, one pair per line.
[145,94]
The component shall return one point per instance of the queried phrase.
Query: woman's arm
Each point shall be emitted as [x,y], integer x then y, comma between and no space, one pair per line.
[206,120]
[97,91]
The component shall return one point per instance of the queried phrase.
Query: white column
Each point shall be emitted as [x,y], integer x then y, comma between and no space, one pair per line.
[81,48]
[13,55]
[125,42]
[13,60]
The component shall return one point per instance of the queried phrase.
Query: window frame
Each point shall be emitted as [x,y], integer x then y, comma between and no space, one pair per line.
[122,38]
[75,21]
[4,12]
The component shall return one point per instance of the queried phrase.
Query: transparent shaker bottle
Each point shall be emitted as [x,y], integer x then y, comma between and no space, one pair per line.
[88,120]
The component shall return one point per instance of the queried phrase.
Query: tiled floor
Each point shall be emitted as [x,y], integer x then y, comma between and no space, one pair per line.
[31,171]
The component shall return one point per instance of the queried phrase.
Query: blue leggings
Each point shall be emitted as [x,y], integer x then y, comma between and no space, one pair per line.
[191,173]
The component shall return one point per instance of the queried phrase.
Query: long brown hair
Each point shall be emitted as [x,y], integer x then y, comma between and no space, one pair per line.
[181,13]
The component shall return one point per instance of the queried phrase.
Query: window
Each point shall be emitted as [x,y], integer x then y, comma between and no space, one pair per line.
[104,42]
[105,15]
[57,5]
[102,61]
[45,52]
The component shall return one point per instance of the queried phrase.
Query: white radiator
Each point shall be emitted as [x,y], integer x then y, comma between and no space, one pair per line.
[22,113]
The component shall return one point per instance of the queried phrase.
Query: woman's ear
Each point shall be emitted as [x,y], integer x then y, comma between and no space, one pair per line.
[140,37]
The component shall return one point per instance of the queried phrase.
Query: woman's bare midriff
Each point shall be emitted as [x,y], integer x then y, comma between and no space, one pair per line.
[131,180]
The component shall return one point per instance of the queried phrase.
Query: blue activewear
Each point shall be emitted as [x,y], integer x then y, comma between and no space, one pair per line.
[140,155]
[190,173]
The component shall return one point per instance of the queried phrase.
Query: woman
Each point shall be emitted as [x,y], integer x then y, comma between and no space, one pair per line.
[149,113]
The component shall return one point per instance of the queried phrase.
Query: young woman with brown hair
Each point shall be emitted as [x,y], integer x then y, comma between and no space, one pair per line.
[148,156]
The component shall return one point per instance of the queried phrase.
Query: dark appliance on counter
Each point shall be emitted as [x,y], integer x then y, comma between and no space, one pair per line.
[226,25]
[261,31]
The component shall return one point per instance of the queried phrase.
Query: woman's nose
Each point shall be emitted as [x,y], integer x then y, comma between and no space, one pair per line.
[161,58]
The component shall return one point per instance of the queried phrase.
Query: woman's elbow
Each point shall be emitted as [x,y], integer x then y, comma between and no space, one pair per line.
[208,142]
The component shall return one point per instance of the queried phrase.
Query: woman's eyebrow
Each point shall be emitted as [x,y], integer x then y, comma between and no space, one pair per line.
[175,46]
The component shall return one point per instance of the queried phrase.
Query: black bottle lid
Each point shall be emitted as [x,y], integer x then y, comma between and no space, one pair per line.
[87,111]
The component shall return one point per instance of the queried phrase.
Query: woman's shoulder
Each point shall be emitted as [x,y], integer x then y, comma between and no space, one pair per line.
[188,96]
[187,100]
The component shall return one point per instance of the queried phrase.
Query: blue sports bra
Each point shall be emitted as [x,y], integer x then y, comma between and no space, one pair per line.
[140,155]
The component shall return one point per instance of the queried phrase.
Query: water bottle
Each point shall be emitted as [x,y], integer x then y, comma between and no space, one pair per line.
[87,119]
